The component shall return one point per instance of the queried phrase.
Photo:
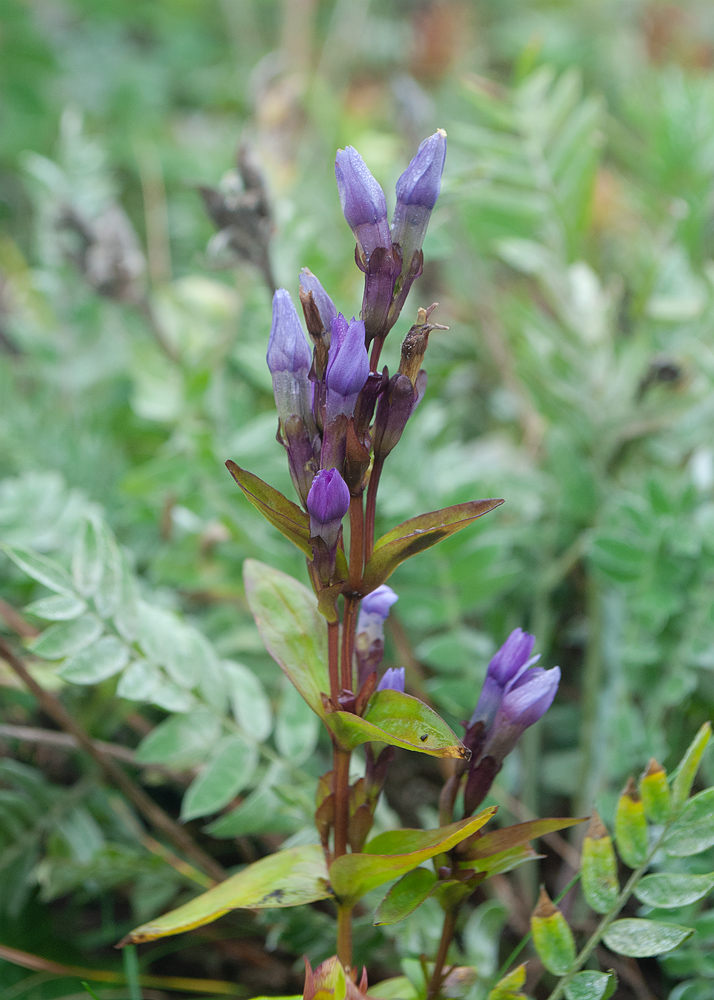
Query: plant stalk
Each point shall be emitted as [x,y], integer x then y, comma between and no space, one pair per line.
[356,541]
[349,623]
[341,776]
[447,934]
[344,935]
[333,660]
[372,507]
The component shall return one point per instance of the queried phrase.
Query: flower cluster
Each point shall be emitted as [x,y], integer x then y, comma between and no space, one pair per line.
[335,408]
[515,695]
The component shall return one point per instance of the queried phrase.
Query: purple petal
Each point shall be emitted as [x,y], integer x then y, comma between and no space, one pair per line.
[393,680]
[288,350]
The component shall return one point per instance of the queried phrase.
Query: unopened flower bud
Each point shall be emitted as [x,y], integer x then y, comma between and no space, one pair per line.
[369,638]
[363,202]
[326,309]
[395,406]
[393,680]
[417,191]
[505,666]
[525,701]
[327,503]
[289,359]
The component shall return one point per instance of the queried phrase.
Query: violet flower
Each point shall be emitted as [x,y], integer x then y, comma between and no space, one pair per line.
[289,358]
[369,636]
[515,695]
[417,191]
[347,366]
[363,202]
[393,680]
[326,308]
[327,503]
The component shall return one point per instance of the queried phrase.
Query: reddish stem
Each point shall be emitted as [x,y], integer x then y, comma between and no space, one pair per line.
[341,776]
[377,345]
[371,507]
[349,623]
[356,541]
[333,657]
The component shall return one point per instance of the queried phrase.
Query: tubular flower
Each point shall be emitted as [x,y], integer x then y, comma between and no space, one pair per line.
[363,202]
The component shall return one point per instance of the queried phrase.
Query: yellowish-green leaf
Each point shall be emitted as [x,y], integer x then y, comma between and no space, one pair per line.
[686,772]
[353,875]
[397,719]
[511,986]
[287,878]
[552,936]
[405,896]
[693,832]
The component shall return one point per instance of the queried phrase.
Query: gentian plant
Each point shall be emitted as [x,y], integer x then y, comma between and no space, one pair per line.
[339,418]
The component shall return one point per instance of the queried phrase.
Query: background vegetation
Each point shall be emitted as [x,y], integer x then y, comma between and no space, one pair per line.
[571,254]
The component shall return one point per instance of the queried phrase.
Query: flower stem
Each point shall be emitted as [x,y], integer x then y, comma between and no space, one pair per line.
[333,656]
[372,507]
[447,934]
[344,935]
[341,775]
[349,622]
[356,541]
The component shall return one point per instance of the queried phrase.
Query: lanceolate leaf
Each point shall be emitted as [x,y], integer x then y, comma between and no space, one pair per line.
[684,778]
[293,630]
[397,719]
[40,568]
[504,861]
[643,938]
[282,513]
[287,878]
[353,875]
[417,534]
[513,836]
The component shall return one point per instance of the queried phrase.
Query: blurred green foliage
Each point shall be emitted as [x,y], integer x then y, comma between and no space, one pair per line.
[571,254]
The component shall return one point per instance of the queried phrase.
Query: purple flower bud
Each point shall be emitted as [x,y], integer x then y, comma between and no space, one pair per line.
[289,359]
[363,202]
[505,667]
[327,503]
[526,700]
[369,638]
[376,604]
[347,366]
[393,680]
[395,406]
[417,191]
[325,306]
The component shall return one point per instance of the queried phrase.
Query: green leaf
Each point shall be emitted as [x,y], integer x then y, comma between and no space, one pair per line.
[59,608]
[182,740]
[405,896]
[668,891]
[282,513]
[686,772]
[97,662]
[598,872]
[509,988]
[693,832]
[87,559]
[396,988]
[250,703]
[66,638]
[231,767]
[261,812]
[353,875]
[591,985]
[417,534]
[288,878]
[296,728]
[513,836]
[639,938]
[293,630]
[552,937]
[631,827]
[504,861]
[397,719]
[44,570]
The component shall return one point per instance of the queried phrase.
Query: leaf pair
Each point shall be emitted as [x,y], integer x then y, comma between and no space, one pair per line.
[407,539]
[300,875]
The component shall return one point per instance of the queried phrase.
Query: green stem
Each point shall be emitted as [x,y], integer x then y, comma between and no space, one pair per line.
[131,971]
[595,938]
